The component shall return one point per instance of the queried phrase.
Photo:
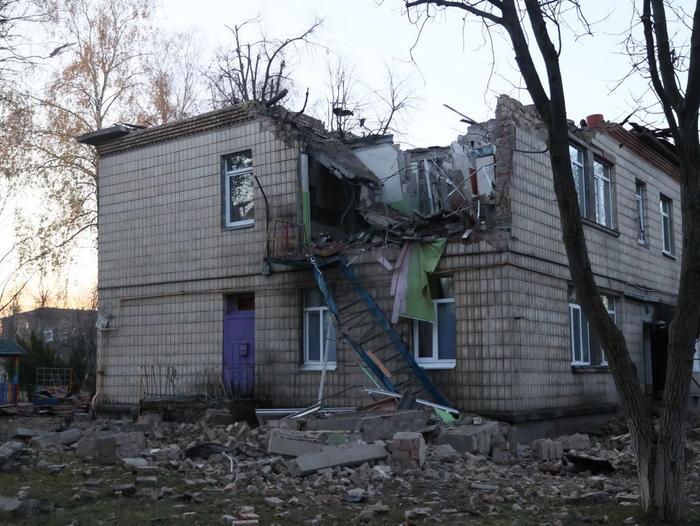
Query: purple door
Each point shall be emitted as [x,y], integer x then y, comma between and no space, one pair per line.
[239,353]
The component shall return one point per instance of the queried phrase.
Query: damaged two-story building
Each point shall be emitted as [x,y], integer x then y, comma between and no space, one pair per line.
[249,247]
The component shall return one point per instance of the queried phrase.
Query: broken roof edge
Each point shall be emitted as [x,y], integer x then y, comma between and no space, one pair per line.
[10,348]
[103,135]
[644,145]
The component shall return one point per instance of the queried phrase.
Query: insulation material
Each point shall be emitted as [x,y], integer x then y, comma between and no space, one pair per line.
[410,283]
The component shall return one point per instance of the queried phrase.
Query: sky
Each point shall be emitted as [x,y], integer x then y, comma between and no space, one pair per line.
[450,62]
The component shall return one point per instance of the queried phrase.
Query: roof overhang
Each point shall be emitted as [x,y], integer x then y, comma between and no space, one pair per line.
[104,135]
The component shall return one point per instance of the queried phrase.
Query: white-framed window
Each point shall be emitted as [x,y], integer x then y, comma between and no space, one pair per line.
[696,357]
[593,178]
[640,192]
[319,332]
[666,208]
[239,189]
[435,344]
[578,167]
[603,193]
[585,348]
[48,335]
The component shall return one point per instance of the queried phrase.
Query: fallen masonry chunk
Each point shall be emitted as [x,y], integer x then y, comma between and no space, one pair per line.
[138,464]
[9,450]
[109,448]
[577,441]
[332,456]
[408,449]
[9,504]
[291,443]
[416,513]
[275,502]
[546,449]
[26,433]
[372,511]
[124,489]
[147,481]
[65,438]
[446,453]
[470,438]
[372,427]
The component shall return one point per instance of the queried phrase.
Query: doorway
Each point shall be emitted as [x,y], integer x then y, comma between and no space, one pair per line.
[239,345]
[656,345]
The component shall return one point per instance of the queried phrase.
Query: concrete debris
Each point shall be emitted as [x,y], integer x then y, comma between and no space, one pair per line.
[290,443]
[446,453]
[317,476]
[471,438]
[408,449]
[332,456]
[546,449]
[64,438]
[372,427]
[577,441]
[9,450]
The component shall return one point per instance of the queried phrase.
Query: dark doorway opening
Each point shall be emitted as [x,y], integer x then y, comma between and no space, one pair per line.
[658,348]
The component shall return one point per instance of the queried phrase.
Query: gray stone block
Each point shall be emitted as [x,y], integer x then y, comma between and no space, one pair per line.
[336,456]
[64,438]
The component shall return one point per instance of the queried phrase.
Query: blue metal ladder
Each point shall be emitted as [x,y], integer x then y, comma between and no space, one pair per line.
[364,325]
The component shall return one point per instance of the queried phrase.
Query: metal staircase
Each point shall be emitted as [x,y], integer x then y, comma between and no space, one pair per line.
[365,327]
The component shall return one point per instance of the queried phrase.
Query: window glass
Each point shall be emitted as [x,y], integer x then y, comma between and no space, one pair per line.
[241,194]
[240,189]
[446,331]
[425,339]
[639,196]
[313,336]
[603,197]
[239,161]
[319,330]
[578,169]
[575,313]
[667,224]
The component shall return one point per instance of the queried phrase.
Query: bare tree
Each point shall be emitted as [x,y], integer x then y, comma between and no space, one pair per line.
[174,87]
[253,70]
[97,79]
[351,106]
[14,15]
[659,453]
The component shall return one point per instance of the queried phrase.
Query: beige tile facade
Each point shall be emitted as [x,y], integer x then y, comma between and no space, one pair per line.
[166,263]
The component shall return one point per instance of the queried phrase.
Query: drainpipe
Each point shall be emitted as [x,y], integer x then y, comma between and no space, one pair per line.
[305,195]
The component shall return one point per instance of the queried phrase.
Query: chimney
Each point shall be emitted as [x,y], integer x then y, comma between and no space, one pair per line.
[595,121]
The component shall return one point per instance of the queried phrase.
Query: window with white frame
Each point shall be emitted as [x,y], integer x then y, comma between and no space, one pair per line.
[585,347]
[594,185]
[578,167]
[666,206]
[696,357]
[603,193]
[48,335]
[435,344]
[238,189]
[640,192]
[319,332]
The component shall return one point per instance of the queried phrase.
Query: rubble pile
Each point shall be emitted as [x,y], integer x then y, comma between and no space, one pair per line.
[404,462]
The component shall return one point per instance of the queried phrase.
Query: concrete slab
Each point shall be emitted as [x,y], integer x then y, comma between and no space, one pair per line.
[331,457]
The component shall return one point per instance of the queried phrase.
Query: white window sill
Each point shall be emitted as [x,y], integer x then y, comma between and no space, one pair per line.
[668,254]
[240,224]
[318,366]
[437,364]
